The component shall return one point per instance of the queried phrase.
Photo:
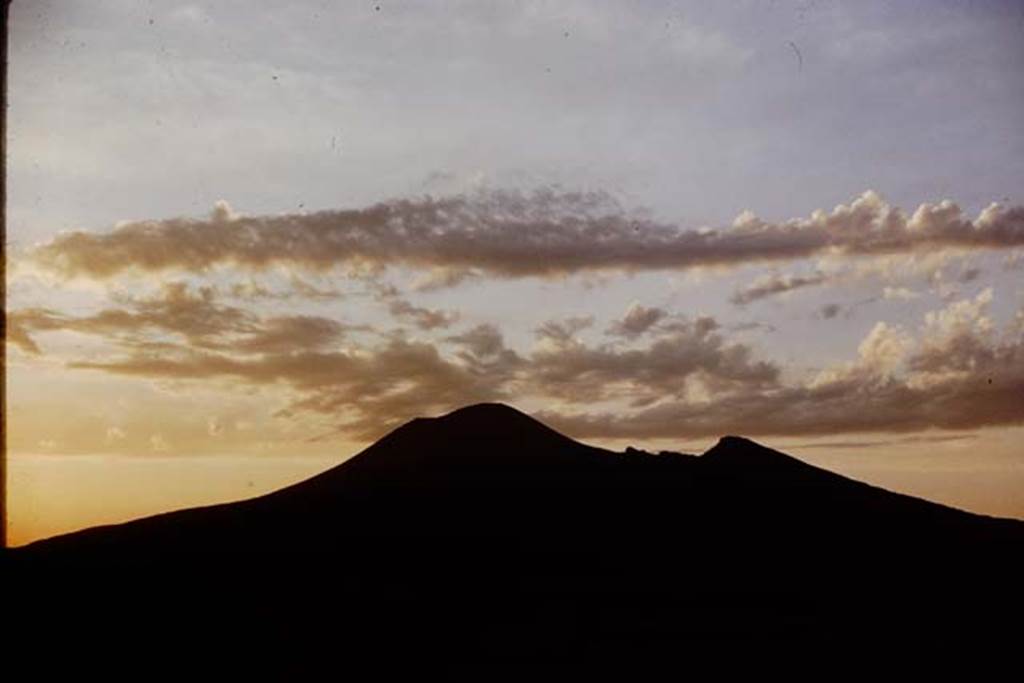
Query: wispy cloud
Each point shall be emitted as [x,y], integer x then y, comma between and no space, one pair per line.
[772,284]
[191,314]
[637,320]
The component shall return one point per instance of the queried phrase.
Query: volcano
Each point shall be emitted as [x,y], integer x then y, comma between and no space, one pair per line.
[487,531]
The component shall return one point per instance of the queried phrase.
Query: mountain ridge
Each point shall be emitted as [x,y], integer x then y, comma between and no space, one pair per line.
[401,454]
[486,528]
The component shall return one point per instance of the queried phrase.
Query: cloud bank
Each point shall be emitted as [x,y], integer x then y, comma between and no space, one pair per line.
[957,374]
[676,377]
[513,234]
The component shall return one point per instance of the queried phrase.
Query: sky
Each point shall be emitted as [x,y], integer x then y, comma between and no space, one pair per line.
[245,240]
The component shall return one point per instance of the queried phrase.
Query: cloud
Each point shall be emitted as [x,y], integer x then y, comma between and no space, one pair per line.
[483,341]
[483,352]
[753,325]
[959,340]
[899,294]
[440,278]
[832,310]
[513,234]
[287,333]
[214,427]
[560,332]
[192,314]
[680,378]
[19,326]
[158,444]
[921,438]
[115,434]
[829,311]
[969,275]
[687,352]
[251,290]
[637,320]
[364,391]
[772,284]
[958,375]
[423,318]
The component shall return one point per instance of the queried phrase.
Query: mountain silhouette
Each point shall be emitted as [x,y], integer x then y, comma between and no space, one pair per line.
[486,531]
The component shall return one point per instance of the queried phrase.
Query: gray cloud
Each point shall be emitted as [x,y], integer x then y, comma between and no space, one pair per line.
[511,234]
[772,284]
[563,331]
[923,438]
[829,311]
[687,380]
[753,325]
[365,389]
[483,341]
[969,275]
[364,393]
[423,318]
[193,314]
[637,320]
[960,376]
[483,352]
[685,352]
[297,288]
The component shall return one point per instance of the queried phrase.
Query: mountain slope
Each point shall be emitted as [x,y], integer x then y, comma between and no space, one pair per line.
[487,528]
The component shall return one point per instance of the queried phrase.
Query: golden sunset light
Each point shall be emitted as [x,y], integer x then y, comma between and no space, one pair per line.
[281,256]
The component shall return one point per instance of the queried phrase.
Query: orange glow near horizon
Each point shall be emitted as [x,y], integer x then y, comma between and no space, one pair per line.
[51,494]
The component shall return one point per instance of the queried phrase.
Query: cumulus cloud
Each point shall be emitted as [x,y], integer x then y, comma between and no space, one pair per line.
[637,320]
[483,341]
[772,284]
[689,351]
[483,352]
[959,341]
[513,234]
[957,375]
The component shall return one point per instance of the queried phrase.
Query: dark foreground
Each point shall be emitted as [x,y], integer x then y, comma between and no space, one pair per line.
[483,538]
